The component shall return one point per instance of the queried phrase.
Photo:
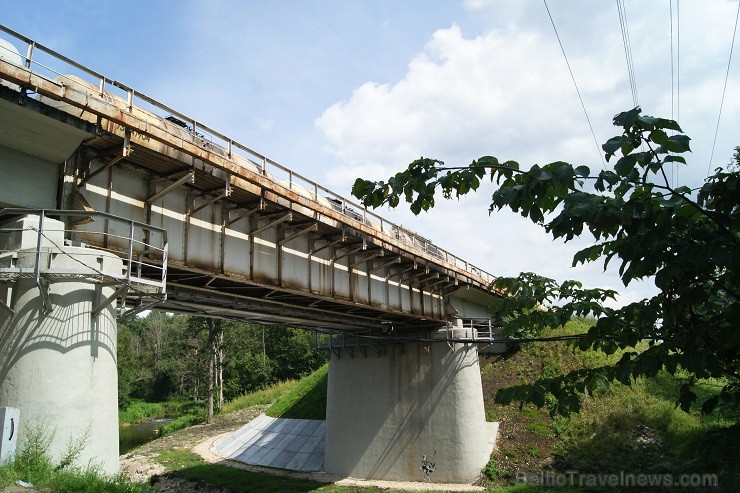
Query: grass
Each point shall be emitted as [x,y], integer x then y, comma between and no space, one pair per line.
[185,413]
[190,466]
[261,397]
[140,411]
[33,465]
[306,401]
[635,428]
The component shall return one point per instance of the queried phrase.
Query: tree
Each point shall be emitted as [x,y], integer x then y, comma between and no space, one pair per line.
[686,240]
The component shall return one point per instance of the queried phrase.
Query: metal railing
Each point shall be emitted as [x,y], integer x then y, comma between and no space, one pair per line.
[482,331]
[476,330]
[202,135]
[144,270]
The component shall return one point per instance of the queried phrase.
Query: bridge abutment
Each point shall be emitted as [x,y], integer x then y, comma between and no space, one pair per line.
[387,411]
[58,366]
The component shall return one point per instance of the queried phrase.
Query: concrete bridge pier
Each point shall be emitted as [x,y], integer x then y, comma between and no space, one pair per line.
[58,341]
[389,409]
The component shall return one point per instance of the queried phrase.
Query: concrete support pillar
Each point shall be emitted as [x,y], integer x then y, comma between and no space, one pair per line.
[59,367]
[385,413]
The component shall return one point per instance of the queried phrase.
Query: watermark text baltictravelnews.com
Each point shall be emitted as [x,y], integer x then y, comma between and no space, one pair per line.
[617,480]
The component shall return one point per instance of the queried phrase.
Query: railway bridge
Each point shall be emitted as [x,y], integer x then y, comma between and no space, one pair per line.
[112,203]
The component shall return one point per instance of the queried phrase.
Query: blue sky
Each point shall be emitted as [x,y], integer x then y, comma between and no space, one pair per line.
[340,89]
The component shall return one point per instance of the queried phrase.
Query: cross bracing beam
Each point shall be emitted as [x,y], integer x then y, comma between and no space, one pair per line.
[190,177]
[312,228]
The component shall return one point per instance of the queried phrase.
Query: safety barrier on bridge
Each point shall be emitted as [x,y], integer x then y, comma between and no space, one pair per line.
[152,115]
[479,331]
[141,283]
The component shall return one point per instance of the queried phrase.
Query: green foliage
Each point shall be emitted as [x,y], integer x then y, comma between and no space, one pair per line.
[184,421]
[634,428]
[138,411]
[640,429]
[162,357]
[306,401]
[188,465]
[260,397]
[33,465]
[490,470]
[686,240]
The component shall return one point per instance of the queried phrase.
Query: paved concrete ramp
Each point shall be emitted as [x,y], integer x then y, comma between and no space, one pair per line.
[295,444]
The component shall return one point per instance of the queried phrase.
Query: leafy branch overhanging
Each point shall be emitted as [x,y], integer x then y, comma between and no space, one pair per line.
[686,240]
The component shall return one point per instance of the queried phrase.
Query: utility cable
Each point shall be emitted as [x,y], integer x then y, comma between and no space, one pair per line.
[675,77]
[724,88]
[621,9]
[583,105]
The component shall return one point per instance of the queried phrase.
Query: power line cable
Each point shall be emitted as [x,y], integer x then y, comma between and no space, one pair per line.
[621,9]
[583,105]
[675,76]
[678,60]
[724,88]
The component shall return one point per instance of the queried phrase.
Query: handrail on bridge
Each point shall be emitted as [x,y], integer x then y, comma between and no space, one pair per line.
[203,135]
[144,277]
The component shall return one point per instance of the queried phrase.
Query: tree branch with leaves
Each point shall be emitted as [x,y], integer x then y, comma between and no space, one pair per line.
[685,240]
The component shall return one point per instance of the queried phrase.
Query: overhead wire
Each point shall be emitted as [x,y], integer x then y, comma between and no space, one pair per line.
[622,10]
[675,76]
[572,76]
[724,88]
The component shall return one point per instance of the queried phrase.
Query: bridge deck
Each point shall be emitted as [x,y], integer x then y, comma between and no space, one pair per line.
[249,238]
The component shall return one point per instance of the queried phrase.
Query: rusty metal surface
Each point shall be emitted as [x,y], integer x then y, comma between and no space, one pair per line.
[241,234]
[115,120]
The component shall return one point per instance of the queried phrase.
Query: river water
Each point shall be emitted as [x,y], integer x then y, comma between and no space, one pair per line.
[131,436]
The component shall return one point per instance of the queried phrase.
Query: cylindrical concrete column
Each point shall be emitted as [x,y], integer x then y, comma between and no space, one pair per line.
[59,367]
[385,413]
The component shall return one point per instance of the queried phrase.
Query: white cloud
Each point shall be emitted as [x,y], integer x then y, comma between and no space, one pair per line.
[506,91]
[462,98]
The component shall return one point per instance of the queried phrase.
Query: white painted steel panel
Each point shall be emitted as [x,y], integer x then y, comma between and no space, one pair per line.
[27,181]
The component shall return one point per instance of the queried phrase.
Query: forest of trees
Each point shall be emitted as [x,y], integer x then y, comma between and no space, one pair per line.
[164,356]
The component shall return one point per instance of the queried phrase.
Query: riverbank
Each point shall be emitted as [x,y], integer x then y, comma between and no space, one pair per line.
[141,465]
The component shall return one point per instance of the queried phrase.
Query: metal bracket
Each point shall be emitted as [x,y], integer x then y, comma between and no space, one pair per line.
[222,195]
[104,167]
[403,272]
[188,177]
[339,240]
[451,283]
[311,228]
[351,252]
[43,284]
[5,307]
[372,255]
[441,281]
[167,177]
[424,279]
[110,299]
[396,260]
[139,309]
[247,213]
[281,219]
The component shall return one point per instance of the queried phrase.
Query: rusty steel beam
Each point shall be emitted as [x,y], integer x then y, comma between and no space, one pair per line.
[108,110]
[190,177]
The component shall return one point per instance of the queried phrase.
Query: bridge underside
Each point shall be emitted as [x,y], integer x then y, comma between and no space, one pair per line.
[247,246]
